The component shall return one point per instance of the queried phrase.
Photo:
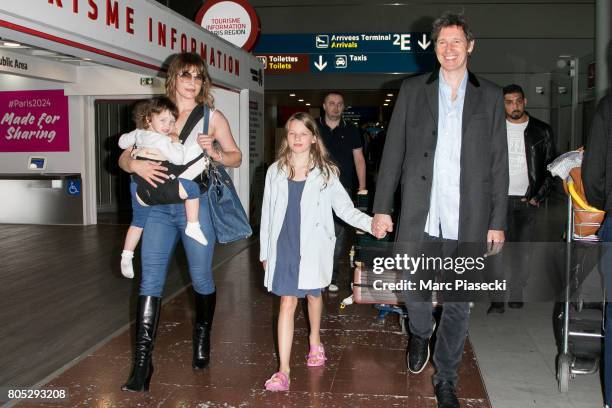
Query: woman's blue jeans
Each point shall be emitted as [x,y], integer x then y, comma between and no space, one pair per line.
[164,226]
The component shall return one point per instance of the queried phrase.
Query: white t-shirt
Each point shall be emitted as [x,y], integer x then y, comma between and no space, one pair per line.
[175,153]
[517,159]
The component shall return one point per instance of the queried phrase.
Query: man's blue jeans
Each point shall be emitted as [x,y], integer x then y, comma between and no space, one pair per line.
[164,226]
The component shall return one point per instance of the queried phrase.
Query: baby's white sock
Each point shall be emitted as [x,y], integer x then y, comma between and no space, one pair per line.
[194,231]
[127,269]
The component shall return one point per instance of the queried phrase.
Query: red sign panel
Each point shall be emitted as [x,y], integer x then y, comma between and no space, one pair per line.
[34,121]
[232,20]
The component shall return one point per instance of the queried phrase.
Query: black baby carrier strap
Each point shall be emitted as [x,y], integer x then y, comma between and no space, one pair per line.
[190,124]
[168,192]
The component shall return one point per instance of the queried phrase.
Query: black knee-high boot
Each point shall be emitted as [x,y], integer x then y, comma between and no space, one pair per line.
[146,327]
[205,311]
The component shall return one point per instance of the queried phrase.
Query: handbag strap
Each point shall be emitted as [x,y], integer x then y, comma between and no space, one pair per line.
[206,119]
[205,129]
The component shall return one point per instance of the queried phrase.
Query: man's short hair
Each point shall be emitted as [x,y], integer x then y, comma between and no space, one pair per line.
[333,93]
[514,88]
[449,19]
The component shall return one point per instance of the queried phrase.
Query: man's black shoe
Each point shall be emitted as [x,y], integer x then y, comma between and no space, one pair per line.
[496,307]
[445,395]
[418,354]
[515,305]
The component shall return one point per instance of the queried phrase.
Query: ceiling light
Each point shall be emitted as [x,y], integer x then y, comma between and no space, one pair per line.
[43,53]
[387,100]
[389,94]
[307,104]
[300,100]
[292,94]
[385,104]
[11,44]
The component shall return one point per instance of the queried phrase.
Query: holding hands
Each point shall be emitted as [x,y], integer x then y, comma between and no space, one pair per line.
[381,224]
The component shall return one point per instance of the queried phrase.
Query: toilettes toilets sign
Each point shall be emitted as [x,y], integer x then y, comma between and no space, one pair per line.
[34,121]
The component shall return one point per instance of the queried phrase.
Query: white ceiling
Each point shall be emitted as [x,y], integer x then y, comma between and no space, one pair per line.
[29,50]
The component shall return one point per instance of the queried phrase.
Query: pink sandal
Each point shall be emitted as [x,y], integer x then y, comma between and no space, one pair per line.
[316,356]
[278,382]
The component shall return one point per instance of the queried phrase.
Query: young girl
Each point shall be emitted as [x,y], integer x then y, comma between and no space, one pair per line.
[155,119]
[297,234]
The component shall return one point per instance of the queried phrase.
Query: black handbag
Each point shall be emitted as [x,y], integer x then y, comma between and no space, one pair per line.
[228,216]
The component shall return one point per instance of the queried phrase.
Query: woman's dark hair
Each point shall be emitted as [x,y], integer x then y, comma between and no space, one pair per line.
[450,19]
[184,62]
[143,111]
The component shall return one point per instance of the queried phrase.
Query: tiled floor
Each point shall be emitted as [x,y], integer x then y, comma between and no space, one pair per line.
[366,366]
[513,355]
[516,352]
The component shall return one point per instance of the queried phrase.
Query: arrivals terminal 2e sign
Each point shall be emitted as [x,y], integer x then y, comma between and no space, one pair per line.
[383,52]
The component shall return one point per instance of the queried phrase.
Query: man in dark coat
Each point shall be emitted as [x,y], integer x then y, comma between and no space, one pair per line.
[446,146]
[530,150]
[597,181]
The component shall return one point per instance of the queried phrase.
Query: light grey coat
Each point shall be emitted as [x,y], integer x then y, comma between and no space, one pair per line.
[317,237]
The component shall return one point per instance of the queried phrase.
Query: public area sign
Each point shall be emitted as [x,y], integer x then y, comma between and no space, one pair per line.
[383,52]
[27,65]
[232,20]
[34,121]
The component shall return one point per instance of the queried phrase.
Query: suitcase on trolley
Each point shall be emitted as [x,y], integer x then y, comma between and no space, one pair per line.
[367,247]
[373,288]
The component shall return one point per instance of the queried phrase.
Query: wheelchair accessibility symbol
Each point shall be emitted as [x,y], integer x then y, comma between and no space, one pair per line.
[73,187]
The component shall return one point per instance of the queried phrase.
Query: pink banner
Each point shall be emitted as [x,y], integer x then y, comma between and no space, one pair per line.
[34,121]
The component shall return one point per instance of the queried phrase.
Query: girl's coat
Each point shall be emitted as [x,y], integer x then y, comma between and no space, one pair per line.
[317,236]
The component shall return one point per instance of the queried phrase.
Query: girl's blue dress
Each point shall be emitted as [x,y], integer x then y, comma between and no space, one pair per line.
[287,269]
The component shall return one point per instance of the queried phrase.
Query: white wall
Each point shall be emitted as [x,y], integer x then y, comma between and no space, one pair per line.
[228,102]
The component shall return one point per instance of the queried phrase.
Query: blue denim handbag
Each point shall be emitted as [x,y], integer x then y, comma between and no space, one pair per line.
[228,216]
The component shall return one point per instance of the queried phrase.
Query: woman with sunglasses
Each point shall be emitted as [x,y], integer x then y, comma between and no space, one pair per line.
[188,86]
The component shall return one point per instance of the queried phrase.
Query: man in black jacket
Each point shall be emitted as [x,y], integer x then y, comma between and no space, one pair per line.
[343,143]
[530,150]
[597,181]
[446,148]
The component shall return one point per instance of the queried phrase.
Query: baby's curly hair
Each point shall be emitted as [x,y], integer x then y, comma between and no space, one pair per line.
[143,111]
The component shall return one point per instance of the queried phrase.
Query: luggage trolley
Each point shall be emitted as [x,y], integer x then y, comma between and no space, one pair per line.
[581,328]
[365,248]
[385,302]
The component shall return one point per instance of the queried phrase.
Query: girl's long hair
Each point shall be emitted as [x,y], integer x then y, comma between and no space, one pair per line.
[319,156]
[184,62]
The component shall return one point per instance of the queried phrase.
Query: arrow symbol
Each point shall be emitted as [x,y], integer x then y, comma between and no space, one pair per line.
[424,44]
[320,65]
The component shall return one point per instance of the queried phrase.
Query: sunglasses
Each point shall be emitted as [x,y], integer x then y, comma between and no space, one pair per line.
[187,76]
